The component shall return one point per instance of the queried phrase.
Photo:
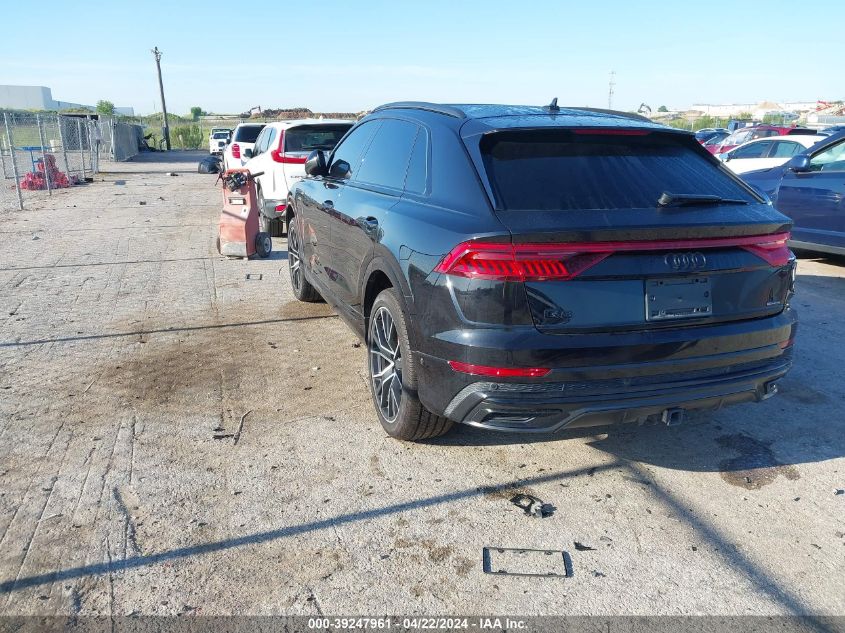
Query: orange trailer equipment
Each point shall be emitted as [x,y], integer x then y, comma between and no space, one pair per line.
[238,229]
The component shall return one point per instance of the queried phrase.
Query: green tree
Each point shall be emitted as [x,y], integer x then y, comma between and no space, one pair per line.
[105,107]
[745,115]
[663,109]
[197,112]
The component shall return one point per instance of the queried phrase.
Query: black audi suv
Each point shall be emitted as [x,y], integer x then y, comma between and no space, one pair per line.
[530,268]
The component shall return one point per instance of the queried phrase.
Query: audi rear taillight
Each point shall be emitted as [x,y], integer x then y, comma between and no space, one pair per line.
[278,155]
[774,249]
[517,262]
[560,262]
[236,150]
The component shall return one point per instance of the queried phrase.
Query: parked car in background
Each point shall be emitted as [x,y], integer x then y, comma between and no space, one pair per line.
[705,134]
[767,152]
[526,269]
[743,135]
[736,124]
[714,141]
[217,141]
[280,152]
[243,139]
[810,189]
[830,131]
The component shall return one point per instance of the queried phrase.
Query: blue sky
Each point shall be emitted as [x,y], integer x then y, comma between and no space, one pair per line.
[349,56]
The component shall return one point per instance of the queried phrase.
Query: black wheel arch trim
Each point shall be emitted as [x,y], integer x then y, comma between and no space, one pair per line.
[391,268]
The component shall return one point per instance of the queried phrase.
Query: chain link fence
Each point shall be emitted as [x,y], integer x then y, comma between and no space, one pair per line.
[41,153]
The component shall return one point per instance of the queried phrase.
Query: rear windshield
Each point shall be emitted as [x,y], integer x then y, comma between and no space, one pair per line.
[561,170]
[221,135]
[248,133]
[310,137]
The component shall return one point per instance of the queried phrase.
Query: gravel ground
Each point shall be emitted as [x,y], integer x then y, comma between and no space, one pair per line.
[177,438]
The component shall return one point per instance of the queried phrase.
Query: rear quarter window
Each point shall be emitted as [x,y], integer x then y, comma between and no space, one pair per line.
[561,170]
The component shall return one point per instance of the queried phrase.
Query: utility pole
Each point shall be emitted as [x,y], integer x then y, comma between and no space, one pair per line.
[157,55]
[610,86]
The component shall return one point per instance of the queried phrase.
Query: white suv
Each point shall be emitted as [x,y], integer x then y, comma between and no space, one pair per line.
[280,152]
[242,139]
[217,140]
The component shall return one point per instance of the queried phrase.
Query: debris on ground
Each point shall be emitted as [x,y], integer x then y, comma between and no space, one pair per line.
[141,202]
[583,548]
[533,506]
[509,561]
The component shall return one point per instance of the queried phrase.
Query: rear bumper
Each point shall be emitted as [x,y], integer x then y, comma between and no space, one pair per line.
[598,379]
[549,407]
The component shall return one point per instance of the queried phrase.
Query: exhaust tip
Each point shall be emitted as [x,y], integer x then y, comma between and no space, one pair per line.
[673,417]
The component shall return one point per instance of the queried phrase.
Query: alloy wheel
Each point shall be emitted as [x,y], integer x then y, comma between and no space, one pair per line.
[385,364]
[294,259]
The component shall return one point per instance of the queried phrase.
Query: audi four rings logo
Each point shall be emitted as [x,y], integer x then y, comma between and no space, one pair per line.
[685,261]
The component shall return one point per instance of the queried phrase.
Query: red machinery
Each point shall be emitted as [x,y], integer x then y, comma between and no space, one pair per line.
[238,229]
[37,179]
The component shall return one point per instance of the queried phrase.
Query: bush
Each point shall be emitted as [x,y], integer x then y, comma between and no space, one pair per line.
[186,137]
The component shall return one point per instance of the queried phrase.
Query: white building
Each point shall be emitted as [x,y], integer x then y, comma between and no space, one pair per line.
[757,110]
[41,98]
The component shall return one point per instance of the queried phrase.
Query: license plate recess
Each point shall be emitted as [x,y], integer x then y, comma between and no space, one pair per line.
[678,298]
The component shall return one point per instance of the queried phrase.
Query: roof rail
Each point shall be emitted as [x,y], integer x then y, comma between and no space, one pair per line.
[424,105]
[627,115]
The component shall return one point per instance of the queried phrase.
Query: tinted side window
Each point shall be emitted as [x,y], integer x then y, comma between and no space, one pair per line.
[269,141]
[831,159]
[785,149]
[352,147]
[417,177]
[258,141]
[386,162]
[752,150]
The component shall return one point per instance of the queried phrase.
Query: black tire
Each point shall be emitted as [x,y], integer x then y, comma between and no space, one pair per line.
[263,244]
[268,225]
[393,375]
[302,290]
[263,220]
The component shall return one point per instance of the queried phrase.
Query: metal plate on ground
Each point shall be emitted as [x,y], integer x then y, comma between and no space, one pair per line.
[508,561]
[679,298]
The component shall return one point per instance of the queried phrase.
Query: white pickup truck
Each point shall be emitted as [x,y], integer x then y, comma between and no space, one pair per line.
[218,138]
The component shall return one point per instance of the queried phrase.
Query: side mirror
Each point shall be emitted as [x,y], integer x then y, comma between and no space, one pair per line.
[247,153]
[315,164]
[340,169]
[800,163]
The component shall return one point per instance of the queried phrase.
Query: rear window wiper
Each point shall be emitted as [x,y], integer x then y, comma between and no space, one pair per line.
[667,199]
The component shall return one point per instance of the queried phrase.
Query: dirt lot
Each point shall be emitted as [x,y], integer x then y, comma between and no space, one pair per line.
[177,438]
